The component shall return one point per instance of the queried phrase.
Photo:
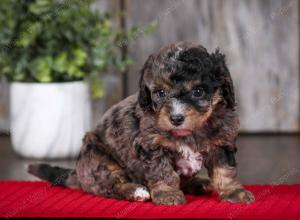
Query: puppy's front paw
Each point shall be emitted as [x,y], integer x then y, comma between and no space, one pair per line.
[168,197]
[133,192]
[238,196]
[141,194]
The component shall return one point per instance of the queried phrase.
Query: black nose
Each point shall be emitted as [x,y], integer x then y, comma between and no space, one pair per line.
[176,119]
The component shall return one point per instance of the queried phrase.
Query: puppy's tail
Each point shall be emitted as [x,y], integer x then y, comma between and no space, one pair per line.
[55,175]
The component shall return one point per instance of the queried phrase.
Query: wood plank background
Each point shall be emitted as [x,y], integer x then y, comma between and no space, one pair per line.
[260,39]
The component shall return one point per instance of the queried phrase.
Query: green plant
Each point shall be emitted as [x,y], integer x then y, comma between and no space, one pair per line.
[57,41]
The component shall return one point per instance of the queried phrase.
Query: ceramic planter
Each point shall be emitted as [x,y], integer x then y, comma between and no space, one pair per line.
[49,120]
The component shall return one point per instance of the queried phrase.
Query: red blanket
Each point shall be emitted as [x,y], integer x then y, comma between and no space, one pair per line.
[32,199]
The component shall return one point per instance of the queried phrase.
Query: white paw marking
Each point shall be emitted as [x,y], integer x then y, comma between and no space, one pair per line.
[141,194]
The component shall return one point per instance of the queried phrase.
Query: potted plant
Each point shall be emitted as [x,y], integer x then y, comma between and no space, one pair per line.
[52,52]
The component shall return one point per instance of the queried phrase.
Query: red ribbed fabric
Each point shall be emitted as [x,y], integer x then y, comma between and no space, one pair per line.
[40,199]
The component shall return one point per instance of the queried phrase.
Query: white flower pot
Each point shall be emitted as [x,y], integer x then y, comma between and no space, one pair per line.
[49,120]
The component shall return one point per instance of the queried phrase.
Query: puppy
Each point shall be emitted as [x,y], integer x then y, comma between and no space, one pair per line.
[152,144]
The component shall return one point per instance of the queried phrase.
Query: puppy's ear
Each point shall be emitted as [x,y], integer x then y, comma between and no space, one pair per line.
[222,75]
[144,97]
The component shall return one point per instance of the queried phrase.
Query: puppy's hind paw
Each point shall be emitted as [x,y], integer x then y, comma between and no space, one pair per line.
[238,196]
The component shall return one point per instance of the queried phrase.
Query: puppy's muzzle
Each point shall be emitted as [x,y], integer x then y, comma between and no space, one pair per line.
[177,119]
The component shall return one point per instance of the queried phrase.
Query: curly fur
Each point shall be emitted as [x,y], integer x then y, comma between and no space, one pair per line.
[140,145]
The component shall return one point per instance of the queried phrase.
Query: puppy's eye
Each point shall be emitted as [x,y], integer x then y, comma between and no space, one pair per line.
[161,93]
[198,92]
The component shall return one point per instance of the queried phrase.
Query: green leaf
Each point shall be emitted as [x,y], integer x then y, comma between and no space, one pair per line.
[20,70]
[96,85]
[80,57]
[40,6]
[74,71]
[123,64]
[29,33]
[19,73]
[41,69]
[60,63]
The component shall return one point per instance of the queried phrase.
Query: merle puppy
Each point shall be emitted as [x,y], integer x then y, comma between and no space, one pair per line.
[152,144]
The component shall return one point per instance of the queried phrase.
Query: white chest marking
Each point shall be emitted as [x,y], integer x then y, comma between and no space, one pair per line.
[189,162]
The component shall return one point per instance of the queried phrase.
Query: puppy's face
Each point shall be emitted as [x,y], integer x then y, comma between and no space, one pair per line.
[182,85]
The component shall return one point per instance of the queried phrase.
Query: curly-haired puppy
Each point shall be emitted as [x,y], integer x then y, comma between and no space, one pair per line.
[153,143]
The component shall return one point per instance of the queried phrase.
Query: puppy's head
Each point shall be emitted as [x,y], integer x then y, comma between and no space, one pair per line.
[182,85]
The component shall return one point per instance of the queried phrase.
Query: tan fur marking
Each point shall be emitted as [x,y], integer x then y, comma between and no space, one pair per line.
[216,98]
[189,85]
[224,179]
[195,119]
[161,83]
[163,119]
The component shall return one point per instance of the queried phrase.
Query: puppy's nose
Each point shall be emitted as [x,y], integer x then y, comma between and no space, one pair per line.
[176,119]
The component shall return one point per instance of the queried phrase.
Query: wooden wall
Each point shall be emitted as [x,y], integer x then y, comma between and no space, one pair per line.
[259,37]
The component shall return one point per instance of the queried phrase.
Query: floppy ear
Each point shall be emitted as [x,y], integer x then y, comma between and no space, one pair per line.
[144,97]
[222,74]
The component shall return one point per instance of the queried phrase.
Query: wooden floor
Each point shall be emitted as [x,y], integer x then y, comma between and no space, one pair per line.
[262,159]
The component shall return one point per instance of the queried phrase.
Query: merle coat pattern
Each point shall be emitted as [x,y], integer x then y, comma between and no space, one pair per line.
[152,144]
